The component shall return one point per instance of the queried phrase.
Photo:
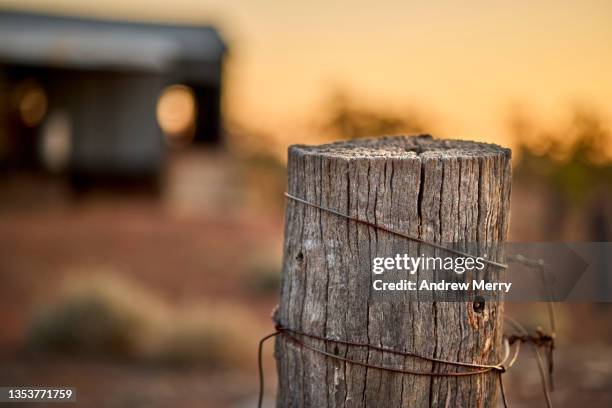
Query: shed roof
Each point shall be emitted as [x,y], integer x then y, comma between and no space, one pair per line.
[37,39]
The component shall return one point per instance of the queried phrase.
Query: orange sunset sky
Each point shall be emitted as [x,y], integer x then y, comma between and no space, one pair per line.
[463,64]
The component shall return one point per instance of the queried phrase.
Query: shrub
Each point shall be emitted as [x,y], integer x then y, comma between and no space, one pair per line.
[106,315]
[99,315]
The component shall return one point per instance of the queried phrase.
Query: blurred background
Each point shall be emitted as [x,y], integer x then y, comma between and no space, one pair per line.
[142,166]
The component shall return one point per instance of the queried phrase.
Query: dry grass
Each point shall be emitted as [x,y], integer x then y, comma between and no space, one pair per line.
[107,315]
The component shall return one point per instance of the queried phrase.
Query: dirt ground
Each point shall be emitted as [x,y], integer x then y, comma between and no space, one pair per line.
[208,257]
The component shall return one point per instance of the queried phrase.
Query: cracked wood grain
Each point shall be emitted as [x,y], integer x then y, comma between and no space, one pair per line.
[439,190]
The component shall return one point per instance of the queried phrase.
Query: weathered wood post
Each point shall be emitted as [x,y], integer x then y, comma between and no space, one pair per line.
[437,190]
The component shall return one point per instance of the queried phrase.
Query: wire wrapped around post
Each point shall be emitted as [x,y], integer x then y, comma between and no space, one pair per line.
[351,202]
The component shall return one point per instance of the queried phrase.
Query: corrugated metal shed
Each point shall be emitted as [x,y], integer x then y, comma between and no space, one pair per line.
[104,80]
[67,42]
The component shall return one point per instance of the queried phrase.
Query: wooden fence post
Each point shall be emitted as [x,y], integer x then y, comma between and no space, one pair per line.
[437,190]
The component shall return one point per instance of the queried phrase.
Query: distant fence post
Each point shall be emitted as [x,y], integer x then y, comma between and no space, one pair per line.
[439,191]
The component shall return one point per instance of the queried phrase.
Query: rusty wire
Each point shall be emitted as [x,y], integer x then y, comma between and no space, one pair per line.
[537,340]
[394,232]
